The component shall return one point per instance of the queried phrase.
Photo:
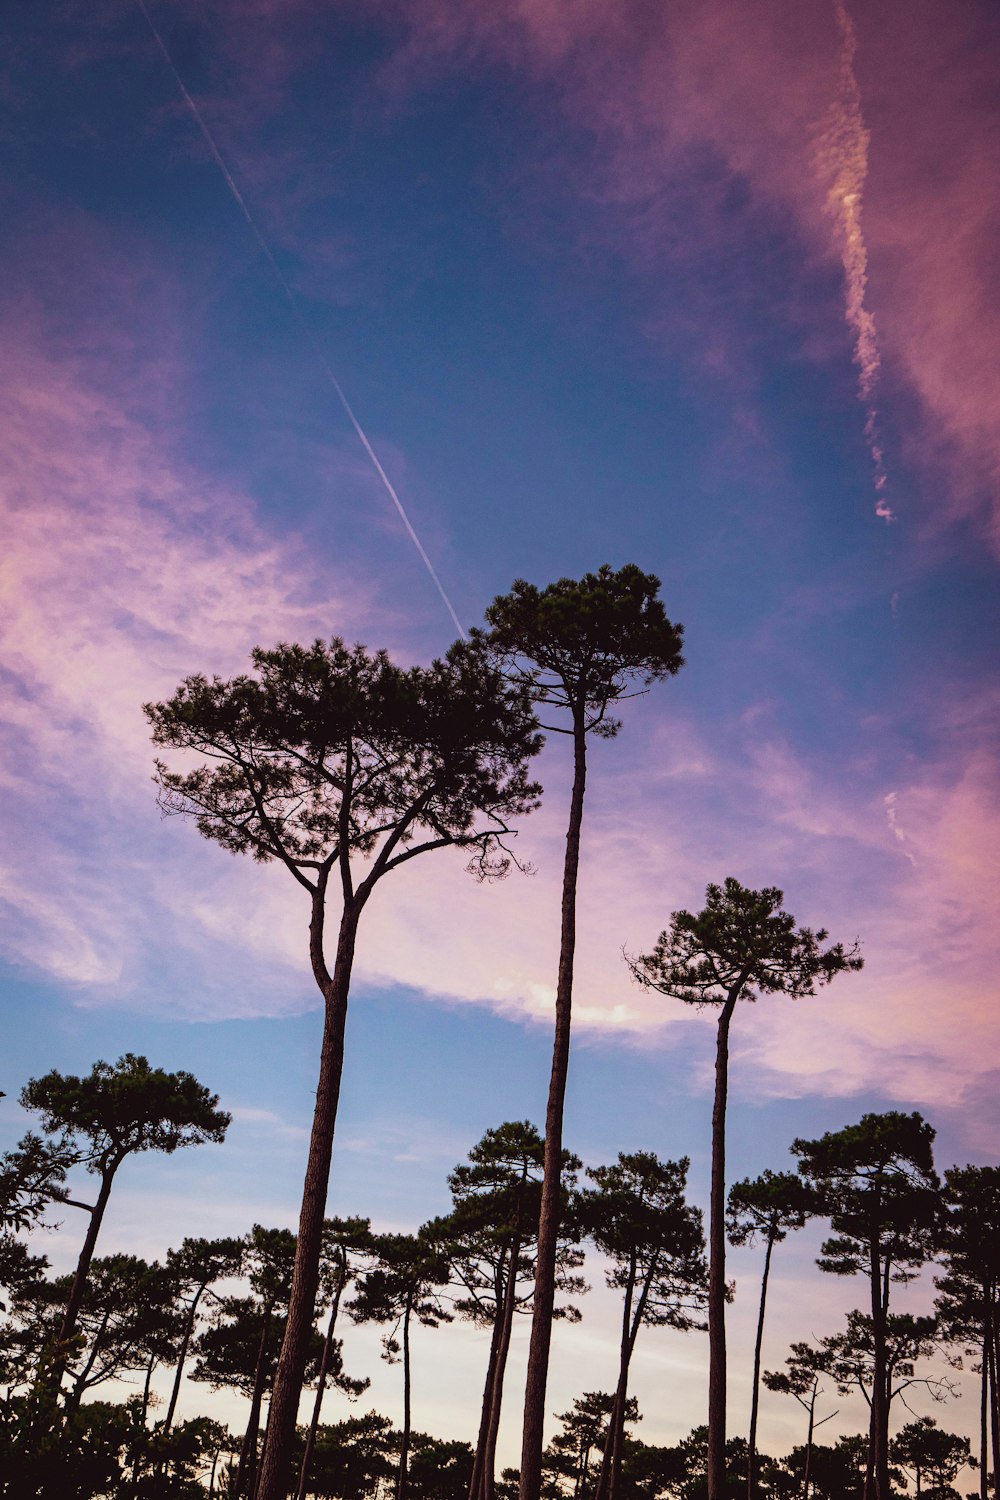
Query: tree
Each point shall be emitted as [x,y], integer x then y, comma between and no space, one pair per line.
[739,946]
[112,1113]
[768,1207]
[586,1427]
[968,1305]
[490,1237]
[404,1285]
[578,646]
[342,767]
[637,1217]
[241,1347]
[934,1458]
[348,1247]
[877,1184]
[194,1267]
[801,1379]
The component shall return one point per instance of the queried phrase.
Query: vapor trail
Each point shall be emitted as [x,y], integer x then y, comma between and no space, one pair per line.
[844,160]
[306,331]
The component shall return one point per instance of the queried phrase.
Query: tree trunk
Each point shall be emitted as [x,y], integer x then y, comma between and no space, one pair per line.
[984,1413]
[178,1373]
[618,1427]
[548,1223]
[880,1393]
[994,1406]
[496,1395]
[478,1458]
[67,1328]
[616,1418]
[246,1472]
[717,1266]
[305,1278]
[755,1394]
[324,1367]
[404,1450]
[809,1447]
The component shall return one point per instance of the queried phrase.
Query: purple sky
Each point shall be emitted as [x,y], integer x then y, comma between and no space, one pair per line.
[708,288]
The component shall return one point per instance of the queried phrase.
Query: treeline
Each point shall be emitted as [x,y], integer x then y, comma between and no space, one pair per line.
[216,1311]
[339,767]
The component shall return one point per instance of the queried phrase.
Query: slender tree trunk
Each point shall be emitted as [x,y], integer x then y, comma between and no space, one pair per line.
[548,1223]
[618,1429]
[478,1458]
[404,1450]
[305,1278]
[717,1266]
[605,1484]
[809,1448]
[52,1379]
[246,1473]
[137,1460]
[496,1395]
[869,1490]
[994,1406]
[984,1412]
[755,1394]
[532,1436]
[175,1391]
[324,1369]
[880,1402]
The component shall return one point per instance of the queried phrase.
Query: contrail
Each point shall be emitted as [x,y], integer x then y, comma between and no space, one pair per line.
[844,159]
[306,331]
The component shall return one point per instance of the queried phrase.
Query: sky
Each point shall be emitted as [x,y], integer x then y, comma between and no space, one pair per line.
[710,288]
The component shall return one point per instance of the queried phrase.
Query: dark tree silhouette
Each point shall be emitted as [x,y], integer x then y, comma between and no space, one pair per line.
[800,1379]
[342,767]
[767,1207]
[405,1285]
[110,1114]
[968,1304]
[739,946]
[876,1183]
[933,1457]
[578,646]
[637,1216]
[348,1249]
[490,1237]
[194,1267]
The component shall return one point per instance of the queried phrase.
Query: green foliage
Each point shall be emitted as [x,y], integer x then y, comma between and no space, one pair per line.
[405,1283]
[769,1207]
[637,1216]
[330,750]
[741,944]
[934,1458]
[580,644]
[126,1107]
[877,1184]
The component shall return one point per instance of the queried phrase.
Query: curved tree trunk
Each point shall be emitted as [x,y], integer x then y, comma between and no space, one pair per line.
[548,1223]
[755,1395]
[324,1369]
[984,1414]
[994,1404]
[717,1266]
[50,1380]
[305,1279]
[809,1447]
[182,1357]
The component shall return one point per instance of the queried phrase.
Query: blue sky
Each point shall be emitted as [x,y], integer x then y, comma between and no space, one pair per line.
[587,281]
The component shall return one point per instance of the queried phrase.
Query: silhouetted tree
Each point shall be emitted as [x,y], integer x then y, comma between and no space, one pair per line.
[342,767]
[934,1458]
[110,1114]
[404,1285]
[348,1248]
[637,1217]
[490,1237]
[578,646]
[582,1429]
[739,946]
[877,1184]
[968,1305]
[767,1207]
[801,1379]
